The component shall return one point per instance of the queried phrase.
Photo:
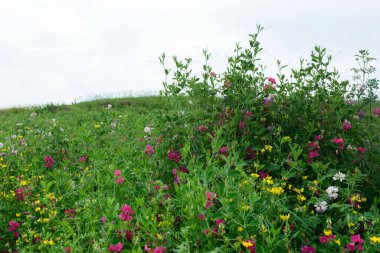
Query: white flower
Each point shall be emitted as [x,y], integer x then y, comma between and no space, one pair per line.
[339,176]
[1,145]
[147,129]
[321,207]
[109,106]
[332,191]
[33,114]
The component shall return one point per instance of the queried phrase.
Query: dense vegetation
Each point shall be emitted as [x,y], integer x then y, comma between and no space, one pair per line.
[231,162]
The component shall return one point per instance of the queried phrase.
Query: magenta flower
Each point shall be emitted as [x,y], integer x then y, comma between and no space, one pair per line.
[223,151]
[318,137]
[127,209]
[307,249]
[149,150]
[362,151]
[118,178]
[325,239]
[129,235]
[350,247]
[346,126]
[376,112]
[210,196]
[174,156]
[155,250]
[201,216]
[202,128]
[115,248]
[271,80]
[13,225]
[103,219]
[339,141]
[219,221]
[49,161]
[127,213]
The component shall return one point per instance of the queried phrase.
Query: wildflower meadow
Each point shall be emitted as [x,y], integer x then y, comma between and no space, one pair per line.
[239,161]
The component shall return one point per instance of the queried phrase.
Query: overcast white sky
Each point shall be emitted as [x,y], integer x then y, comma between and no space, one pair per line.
[61,51]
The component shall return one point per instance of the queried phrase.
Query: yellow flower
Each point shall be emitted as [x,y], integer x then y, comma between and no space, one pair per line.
[255,175]
[276,190]
[240,229]
[375,239]
[327,232]
[245,207]
[268,148]
[247,244]
[38,209]
[351,224]
[97,126]
[285,217]
[18,214]
[268,180]
[301,197]
[337,241]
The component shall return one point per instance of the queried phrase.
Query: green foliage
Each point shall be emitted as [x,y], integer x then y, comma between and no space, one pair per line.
[229,162]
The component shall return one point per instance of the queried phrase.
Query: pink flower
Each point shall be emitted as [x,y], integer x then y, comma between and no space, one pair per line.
[117,172]
[210,196]
[362,151]
[126,213]
[241,124]
[119,180]
[49,161]
[129,235]
[223,151]
[376,112]
[325,239]
[103,219]
[247,115]
[271,80]
[127,209]
[212,73]
[115,248]
[339,141]
[155,250]
[219,221]
[318,137]
[174,156]
[149,150]
[351,247]
[201,216]
[13,225]
[202,128]
[346,126]
[307,249]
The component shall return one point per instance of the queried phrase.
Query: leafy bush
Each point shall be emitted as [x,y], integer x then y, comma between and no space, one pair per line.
[283,161]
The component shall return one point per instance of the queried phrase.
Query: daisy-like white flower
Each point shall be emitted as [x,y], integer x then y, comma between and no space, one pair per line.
[321,207]
[109,106]
[339,176]
[147,129]
[332,191]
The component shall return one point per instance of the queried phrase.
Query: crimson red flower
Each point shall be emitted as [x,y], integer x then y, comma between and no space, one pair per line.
[174,156]
[49,161]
